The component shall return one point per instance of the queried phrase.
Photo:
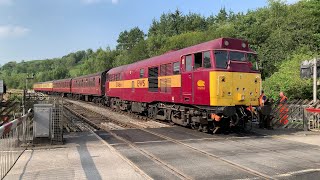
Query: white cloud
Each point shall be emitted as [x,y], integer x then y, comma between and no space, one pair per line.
[115,1]
[98,1]
[6,2]
[8,31]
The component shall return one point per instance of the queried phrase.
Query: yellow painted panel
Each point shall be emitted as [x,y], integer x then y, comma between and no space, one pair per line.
[43,85]
[234,88]
[137,83]
[175,81]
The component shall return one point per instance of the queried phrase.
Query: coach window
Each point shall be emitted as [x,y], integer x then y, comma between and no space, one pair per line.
[221,58]
[176,68]
[189,63]
[206,60]
[197,60]
[99,82]
[141,73]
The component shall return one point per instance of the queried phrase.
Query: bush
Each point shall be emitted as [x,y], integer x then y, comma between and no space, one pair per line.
[288,80]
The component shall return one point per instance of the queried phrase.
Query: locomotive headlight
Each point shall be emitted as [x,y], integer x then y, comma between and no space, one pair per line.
[244,45]
[226,43]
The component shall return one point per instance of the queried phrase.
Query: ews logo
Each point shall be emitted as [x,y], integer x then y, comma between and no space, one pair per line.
[141,83]
[118,84]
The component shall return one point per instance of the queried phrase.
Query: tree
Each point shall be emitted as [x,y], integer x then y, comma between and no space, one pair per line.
[128,39]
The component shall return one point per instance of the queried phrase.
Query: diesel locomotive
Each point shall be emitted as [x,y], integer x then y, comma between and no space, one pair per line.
[204,86]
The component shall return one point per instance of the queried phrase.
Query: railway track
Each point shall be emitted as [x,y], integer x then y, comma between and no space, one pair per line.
[97,124]
[97,120]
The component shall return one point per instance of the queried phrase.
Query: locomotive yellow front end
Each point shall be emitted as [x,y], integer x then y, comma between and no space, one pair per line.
[234,88]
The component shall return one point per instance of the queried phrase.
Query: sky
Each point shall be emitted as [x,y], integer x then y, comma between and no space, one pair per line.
[40,29]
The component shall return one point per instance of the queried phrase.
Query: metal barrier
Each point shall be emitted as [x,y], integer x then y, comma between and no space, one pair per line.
[312,116]
[296,114]
[14,138]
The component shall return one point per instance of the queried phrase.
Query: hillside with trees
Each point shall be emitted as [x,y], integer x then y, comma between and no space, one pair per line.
[282,34]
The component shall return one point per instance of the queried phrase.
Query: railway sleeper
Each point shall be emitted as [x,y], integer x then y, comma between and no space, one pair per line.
[195,117]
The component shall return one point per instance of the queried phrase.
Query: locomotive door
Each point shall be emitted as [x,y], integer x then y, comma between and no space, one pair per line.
[187,79]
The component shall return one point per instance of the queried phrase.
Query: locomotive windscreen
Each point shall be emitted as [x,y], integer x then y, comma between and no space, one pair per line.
[253,58]
[221,59]
[237,56]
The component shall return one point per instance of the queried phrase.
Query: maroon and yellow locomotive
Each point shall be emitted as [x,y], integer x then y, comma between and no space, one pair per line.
[200,86]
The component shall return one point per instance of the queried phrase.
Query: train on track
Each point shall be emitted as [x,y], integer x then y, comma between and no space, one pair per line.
[204,86]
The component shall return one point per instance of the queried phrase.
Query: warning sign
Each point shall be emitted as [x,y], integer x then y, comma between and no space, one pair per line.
[1,87]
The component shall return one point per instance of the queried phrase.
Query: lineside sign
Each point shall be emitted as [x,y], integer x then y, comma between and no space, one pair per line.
[1,87]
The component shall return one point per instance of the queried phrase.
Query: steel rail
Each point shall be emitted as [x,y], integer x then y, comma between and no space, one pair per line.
[147,154]
[216,157]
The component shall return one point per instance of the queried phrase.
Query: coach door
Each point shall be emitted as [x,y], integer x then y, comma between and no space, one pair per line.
[186,78]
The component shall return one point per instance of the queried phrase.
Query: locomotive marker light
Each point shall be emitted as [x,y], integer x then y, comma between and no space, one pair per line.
[226,43]
[311,69]
[244,45]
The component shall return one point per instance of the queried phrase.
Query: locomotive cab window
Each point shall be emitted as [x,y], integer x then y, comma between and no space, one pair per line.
[253,59]
[221,58]
[237,56]
[206,60]
[197,60]
[189,63]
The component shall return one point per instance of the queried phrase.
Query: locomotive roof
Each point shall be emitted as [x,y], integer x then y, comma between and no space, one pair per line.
[173,56]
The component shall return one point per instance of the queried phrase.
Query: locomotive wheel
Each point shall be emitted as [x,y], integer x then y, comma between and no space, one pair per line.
[152,112]
[175,116]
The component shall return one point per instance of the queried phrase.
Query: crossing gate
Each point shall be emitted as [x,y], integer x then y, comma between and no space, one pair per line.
[313,118]
[296,114]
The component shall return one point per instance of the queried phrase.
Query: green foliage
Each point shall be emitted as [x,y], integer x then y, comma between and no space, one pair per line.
[288,80]
[282,35]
